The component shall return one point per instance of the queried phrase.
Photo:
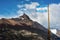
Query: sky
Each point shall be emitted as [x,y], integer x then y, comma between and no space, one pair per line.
[37,10]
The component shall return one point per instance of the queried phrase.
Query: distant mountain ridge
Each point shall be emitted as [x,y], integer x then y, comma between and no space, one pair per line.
[16,25]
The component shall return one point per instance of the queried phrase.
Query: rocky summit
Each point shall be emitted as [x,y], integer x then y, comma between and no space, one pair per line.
[23,28]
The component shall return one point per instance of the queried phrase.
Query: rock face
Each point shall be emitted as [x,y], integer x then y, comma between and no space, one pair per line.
[23,28]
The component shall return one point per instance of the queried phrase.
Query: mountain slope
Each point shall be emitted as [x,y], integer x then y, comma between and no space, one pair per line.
[23,28]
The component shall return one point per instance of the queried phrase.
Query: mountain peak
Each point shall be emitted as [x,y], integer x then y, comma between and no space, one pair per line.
[24,17]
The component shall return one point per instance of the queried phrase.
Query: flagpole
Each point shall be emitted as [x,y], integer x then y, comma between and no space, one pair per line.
[49,38]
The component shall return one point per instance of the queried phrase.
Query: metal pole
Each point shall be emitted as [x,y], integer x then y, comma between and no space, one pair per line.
[49,38]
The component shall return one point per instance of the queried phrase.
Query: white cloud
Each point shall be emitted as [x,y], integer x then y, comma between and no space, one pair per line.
[55,15]
[45,8]
[33,5]
[20,6]
[42,18]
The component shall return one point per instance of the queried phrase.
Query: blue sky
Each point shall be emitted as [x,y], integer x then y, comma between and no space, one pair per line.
[9,7]
[36,9]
